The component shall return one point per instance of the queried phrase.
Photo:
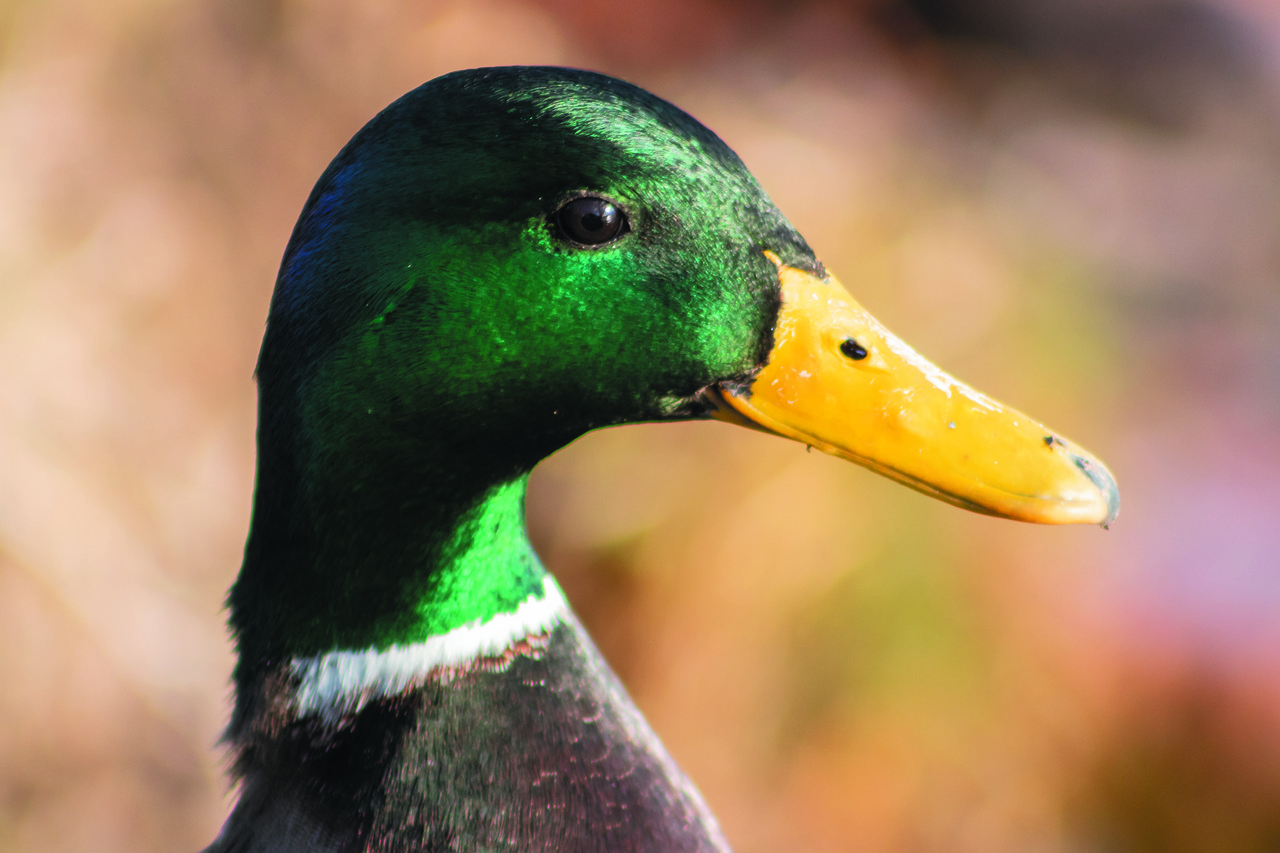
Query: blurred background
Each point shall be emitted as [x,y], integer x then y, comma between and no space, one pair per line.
[1072,204]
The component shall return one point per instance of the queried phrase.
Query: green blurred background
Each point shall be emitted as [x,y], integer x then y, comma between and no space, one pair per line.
[1073,205]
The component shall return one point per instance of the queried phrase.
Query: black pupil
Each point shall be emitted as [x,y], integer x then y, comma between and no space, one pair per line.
[853,349]
[591,221]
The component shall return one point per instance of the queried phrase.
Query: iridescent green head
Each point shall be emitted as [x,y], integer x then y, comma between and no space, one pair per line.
[432,277]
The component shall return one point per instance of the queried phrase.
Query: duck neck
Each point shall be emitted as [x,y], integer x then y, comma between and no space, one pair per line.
[377,569]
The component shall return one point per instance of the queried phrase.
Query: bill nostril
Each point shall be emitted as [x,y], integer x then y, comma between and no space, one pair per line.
[852,349]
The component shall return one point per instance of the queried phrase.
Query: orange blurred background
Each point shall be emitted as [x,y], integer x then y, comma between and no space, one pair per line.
[1075,206]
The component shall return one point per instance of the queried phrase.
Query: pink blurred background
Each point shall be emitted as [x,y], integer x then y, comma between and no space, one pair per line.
[1075,206]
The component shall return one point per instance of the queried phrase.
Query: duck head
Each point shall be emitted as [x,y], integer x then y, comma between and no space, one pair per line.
[505,259]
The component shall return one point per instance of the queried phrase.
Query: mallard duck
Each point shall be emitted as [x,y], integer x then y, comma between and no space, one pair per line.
[497,263]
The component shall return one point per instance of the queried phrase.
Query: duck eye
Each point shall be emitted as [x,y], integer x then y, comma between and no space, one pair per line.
[591,221]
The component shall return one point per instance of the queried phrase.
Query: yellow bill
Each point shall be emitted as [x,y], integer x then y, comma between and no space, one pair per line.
[839,381]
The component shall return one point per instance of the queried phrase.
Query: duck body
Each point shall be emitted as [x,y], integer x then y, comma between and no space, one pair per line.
[499,262]
[542,751]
